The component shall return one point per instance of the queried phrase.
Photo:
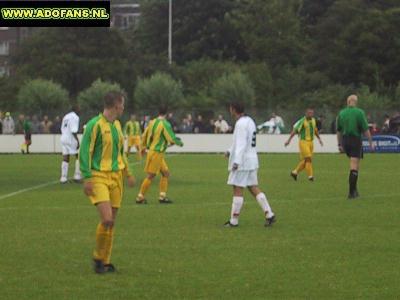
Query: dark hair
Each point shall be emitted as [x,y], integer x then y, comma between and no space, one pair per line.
[162,109]
[111,98]
[238,107]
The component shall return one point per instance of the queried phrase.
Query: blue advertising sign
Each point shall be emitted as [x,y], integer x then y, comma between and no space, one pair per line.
[383,144]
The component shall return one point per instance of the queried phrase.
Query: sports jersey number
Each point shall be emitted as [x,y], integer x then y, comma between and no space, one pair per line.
[254,139]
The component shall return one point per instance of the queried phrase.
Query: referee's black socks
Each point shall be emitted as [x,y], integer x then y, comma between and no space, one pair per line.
[353,177]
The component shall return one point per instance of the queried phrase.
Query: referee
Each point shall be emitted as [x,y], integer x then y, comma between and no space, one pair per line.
[351,125]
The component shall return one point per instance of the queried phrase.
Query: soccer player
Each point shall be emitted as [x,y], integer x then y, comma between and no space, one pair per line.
[70,143]
[27,126]
[243,166]
[103,165]
[306,128]
[132,134]
[351,125]
[157,136]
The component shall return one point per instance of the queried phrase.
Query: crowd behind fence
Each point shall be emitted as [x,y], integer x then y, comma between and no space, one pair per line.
[269,122]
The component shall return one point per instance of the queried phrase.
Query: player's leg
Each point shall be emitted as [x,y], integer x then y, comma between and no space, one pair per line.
[28,142]
[64,166]
[116,192]
[237,203]
[77,173]
[309,168]
[140,199]
[353,177]
[308,160]
[164,183]
[103,234]
[302,164]
[138,152]
[264,204]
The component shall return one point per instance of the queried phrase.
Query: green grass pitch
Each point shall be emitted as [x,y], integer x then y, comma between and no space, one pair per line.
[322,246]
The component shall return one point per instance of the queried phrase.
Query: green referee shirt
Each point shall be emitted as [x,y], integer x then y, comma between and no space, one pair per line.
[352,122]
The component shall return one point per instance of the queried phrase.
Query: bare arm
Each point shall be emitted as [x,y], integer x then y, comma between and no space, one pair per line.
[367,133]
[292,134]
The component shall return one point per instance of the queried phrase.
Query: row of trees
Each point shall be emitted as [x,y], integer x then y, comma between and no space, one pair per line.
[276,54]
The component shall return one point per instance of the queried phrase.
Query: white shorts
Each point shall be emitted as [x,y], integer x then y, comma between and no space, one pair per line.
[69,148]
[243,178]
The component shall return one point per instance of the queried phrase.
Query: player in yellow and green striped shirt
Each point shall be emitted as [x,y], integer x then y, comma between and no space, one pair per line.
[103,165]
[306,128]
[132,133]
[156,138]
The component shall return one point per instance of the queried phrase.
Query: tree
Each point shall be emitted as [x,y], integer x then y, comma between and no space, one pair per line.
[75,57]
[159,89]
[41,96]
[91,99]
[233,87]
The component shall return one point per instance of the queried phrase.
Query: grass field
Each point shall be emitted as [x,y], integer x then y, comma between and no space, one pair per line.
[323,245]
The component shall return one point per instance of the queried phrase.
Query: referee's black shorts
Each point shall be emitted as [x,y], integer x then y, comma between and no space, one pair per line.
[352,146]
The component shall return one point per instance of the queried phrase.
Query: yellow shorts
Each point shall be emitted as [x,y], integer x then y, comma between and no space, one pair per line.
[107,186]
[306,149]
[134,141]
[155,163]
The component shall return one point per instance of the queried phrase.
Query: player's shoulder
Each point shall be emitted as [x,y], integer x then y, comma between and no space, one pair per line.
[93,121]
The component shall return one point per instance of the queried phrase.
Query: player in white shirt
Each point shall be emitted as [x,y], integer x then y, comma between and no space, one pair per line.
[243,166]
[70,143]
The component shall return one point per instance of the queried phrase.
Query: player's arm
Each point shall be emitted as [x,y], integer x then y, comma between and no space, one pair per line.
[367,133]
[316,132]
[145,136]
[170,135]
[292,134]
[239,146]
[126,129]
[87,148]
[339,135]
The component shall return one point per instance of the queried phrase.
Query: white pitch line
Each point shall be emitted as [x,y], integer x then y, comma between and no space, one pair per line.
[36,187]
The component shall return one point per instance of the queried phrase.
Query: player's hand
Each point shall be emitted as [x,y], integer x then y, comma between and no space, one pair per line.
[143,152]
[372,147]
[287,143]
[341,150]
[321,143]
[77,146]
[235,167]
[131,181]
[88,188]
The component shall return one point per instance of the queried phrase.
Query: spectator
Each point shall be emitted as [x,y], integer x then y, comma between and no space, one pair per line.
[35,125]
[8,124]
[20,124]
[210,128]
[55,127]
[395,123]
[274,125]
[186,126]
[319,122]
[45,125]
[171,120]
[386,124]
[145,122]
[221,126]
[199,126]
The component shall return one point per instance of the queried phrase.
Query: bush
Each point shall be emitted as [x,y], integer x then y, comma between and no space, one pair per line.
[41,96]
[159,89]
[233,87]
[91,99]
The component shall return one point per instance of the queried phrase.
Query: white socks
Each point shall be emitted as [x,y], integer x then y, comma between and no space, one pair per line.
[237,204]
[263,202]
[77,175]
[64,172]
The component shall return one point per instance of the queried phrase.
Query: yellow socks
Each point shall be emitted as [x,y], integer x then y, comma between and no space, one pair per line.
[309,169]
[300,167]
[102,242]
[108,246]
[163,187]
[144,187]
